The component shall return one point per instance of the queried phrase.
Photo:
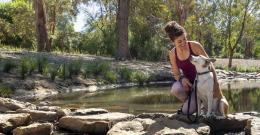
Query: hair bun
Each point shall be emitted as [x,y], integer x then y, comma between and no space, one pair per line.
[173,29]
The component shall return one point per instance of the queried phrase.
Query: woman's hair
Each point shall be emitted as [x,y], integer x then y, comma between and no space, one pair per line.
[174,30]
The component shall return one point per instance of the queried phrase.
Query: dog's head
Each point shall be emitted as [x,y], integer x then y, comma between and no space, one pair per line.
[201,62]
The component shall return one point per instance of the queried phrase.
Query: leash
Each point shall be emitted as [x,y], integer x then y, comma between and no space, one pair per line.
[194,87]
[190,94]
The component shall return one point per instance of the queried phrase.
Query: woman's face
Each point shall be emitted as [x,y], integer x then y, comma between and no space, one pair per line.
[180,41]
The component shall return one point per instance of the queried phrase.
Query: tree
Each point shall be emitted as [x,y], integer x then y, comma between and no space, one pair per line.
[41,29]
[232,42]
[123,52]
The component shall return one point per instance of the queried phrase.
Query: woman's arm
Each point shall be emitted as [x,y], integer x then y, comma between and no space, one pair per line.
[175,70]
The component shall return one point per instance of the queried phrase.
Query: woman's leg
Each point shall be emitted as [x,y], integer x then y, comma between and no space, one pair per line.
[178,91]
[192,105]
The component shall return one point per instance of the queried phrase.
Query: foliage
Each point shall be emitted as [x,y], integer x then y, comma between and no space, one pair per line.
[8,66]
[126,74]
[24,66]
[111,76]
[53,70]
[140,77]
[42,63]
[62,72]
[74,67]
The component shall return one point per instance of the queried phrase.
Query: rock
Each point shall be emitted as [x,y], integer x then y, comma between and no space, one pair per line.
[37,115]
[153,115]
[179,131]
[60,112]
[161,123]
[145,122]
[127,128]
[255,126]
[99,123]
[34,129]
[13,105]
[90,111]
[232,123]
[10,121]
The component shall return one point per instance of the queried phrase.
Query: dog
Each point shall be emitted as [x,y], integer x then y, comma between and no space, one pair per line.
[216,105]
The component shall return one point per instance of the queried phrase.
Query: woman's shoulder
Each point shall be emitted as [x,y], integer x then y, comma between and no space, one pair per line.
[195,45]
[172,51]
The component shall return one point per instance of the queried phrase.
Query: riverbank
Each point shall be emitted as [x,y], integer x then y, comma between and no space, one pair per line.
[38,86]
[21,118]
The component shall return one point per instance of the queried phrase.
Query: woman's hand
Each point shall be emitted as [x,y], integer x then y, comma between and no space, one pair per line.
[186,84]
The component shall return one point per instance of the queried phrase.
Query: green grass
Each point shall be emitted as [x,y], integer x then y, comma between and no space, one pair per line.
[243,69]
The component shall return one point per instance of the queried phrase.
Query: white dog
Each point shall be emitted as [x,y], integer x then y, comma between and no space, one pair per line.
[216,105]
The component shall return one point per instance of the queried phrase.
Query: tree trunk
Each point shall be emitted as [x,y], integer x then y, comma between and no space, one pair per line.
[182,9]
[52,27]
[123,52]
[42,35]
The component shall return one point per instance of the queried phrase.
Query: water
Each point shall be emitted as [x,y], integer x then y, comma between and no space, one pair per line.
[138,100]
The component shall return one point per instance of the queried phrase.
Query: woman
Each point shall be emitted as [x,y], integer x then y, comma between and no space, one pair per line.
[179,58]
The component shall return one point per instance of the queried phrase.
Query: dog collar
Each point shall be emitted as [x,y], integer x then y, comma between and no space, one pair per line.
[202,73]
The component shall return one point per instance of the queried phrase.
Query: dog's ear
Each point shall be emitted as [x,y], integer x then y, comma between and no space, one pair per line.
[210,60]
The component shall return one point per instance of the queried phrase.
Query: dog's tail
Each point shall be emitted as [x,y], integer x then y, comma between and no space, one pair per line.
[224,107]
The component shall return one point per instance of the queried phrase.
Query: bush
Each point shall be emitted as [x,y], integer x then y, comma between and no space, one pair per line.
[126,74]
[62,72]
[111,76]
[8,66]
[42,63]
[32,65]
[53,71]
[25,65]
[141,77]
[102,68]
[74,67]
[90,69]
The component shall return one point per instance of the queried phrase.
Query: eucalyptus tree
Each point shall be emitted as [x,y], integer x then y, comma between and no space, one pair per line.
[41,29]
[123,52]
[234,20]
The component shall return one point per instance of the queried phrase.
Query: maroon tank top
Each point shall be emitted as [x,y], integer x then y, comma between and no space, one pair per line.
[186,66]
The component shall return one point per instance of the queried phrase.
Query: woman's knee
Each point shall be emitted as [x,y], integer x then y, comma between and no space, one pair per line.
[177,91]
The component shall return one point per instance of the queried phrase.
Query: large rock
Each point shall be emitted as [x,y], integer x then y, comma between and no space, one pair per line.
[34,129]
[158,126]
[7,104]
[37,115]
[127,128]
[10,121]
[96,124]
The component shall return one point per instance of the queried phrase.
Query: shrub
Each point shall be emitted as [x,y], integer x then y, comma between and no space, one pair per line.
[141,77]
[32,65]
[102,68]
[62,72]
[25,64]
[74,67]
[8,66]
[42,63]
[111,76]
[90,69]
[53,71]
[126,73]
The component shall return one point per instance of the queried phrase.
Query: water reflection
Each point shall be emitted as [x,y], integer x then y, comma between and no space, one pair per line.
[152,99]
